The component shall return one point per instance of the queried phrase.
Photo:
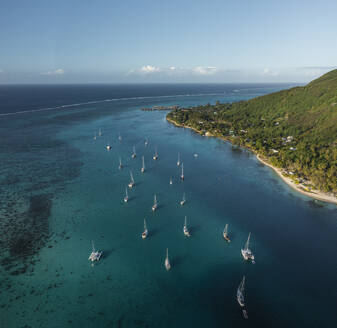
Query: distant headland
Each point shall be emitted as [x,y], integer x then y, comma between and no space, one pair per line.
[173,107]
[293,131]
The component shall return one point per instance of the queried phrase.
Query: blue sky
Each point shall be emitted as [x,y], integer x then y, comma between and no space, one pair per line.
[72,41]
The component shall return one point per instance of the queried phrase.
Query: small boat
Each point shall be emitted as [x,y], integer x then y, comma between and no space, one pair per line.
[246,252]
[155,155]
[245,313]
[155,204]
[134,152]
[126,198]
[145,232]
[108,147]
[95,136]
[171,182]
[225,233]
[119,137]
[178,161]
[240,292]
[143,165]
[182,172]
[95,255]
[146,142]
[167,261]
[120,164]
[186,232]
[132,181]
[99,132]
[183,201]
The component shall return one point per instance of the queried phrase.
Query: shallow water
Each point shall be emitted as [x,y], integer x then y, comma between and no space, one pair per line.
[61,189]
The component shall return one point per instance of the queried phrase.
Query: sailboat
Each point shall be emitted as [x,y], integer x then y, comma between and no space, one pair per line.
[225,233]
[178,161]
[95,136]
[108,147]
[132,181]
[120,164]
[182,172]
[143,166]
[246,252]
[95,255]
[155,204]
[183,201]
[171,182]
[126,198]
[145,232]
[119,137]
[99,132]
[167,261]
[146,142]
[134,152]
[155,156]
[186,232]
[240,292]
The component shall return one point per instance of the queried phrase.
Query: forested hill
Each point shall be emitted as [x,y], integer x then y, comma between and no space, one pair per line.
[295,129]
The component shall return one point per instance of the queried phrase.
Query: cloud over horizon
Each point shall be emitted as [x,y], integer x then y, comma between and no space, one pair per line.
[59,71]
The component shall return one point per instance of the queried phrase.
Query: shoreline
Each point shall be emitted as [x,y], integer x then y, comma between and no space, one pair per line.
[316,194]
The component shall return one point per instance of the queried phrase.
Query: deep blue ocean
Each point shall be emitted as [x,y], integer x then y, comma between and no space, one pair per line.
[61,188]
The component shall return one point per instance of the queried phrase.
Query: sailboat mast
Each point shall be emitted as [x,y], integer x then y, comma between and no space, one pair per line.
[143,162]
[247,243]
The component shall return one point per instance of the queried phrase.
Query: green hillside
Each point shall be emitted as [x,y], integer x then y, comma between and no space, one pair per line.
[295,129]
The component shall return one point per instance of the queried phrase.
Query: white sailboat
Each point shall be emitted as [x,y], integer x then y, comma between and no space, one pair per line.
[186,232]
[246,252]
[95,255]
[145,232]
[132,181]
[134,152]
[119,137]
[183,201]
[171,182]
[178,161]
[240,292]
[99,132]
[155,155]
[126,198]
[155,204]
[120,164]
[182,172]
[225,233]
[108,147]
[146,142]
[95,136]
[167,261]
[143,165]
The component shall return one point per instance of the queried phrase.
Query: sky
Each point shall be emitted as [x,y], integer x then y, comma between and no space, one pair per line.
[143,41]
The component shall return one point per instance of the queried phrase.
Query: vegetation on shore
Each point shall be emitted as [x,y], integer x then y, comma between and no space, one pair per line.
[293,129]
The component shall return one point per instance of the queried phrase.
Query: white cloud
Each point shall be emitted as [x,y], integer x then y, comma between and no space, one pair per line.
[268,71]
[173,70]
[149,69]
[58,71]
[204,70]
[315,71]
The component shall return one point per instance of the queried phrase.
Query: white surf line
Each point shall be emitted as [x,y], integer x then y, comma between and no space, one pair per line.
[108,100]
